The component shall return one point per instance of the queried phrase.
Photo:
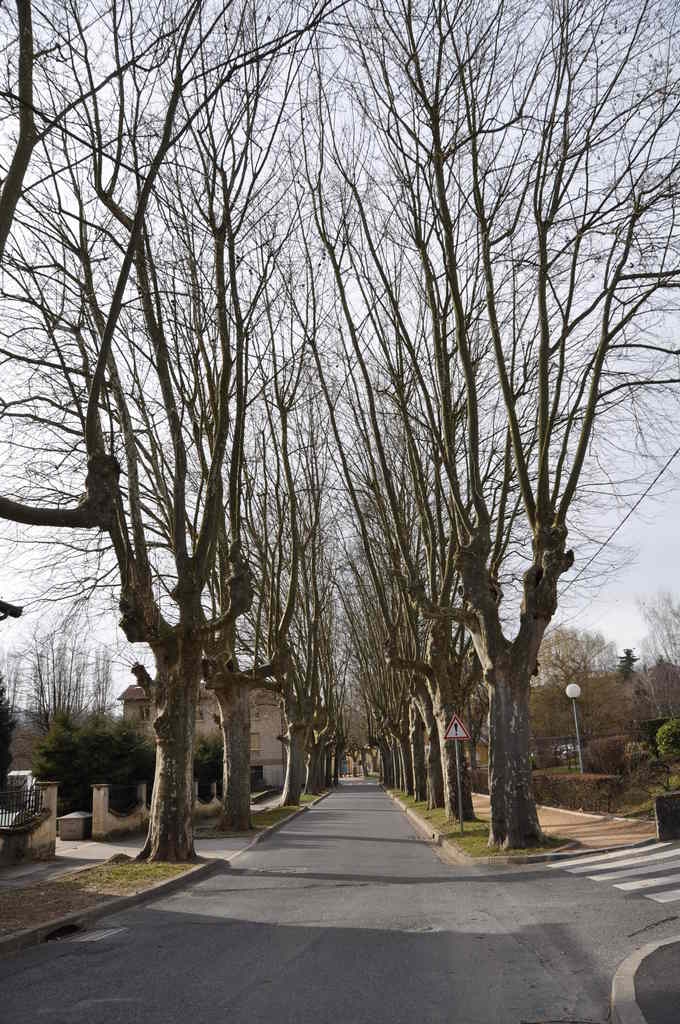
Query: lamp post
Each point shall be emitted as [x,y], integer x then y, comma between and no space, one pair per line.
[573,692]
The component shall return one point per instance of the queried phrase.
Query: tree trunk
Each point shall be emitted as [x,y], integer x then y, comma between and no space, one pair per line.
[328,774]
[339,753]
[234,705]
[388,766]
[396,765]
[417,740]
[443,715]
[406,758]
[514,820]
[435,778]
[175,691]
[315,764]
[474,737]
[294,781]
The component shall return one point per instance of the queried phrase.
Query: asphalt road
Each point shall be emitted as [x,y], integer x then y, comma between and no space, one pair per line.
[345,916]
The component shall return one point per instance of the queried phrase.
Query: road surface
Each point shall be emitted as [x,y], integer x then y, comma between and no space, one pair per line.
[345,916]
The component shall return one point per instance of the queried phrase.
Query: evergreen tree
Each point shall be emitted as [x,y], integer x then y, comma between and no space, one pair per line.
[7,724]
[627,661]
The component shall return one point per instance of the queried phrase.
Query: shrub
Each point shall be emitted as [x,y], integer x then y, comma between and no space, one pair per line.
[208,760]
[606,756]
[587,792]
[101,750]
[648,732]
[638,755]
[668,738]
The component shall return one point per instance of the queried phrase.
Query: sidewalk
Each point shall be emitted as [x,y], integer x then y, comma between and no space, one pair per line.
[85,853]
[646,986]
[593,831]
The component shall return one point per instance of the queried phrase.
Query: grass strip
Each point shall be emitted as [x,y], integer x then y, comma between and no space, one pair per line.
[123,878]
[475,838]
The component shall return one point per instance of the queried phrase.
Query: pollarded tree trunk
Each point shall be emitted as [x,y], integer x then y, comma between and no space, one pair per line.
[315,768]
[175,692]
[443,715]
[390,772]
[296,738]
[337,760]
[417,739]
[396,765]
[234,703]
[406,759]
[435,778]
[514,820]
[387,778]
[328,774]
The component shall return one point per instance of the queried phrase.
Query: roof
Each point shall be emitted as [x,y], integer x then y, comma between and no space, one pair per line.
[133,693]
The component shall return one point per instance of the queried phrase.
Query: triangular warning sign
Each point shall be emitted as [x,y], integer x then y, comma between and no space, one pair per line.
[455,730]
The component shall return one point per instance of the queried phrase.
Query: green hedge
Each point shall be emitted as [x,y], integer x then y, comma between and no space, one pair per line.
[587,792]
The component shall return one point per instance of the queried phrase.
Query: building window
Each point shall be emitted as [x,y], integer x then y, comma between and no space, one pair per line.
[254,743]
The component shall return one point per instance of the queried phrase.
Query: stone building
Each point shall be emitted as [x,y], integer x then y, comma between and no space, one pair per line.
[267,753]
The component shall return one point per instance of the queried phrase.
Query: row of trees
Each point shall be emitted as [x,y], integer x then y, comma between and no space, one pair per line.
[60,672]
[344,311]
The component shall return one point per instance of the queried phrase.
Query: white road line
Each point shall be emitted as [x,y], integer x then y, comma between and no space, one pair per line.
[629,863]
[647,883]
[648,869]
[665,897]
[575,861]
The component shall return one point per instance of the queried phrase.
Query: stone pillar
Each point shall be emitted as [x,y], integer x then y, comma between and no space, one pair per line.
[141,794]
[50,792]
[195,790]
[213,791]
[100,810]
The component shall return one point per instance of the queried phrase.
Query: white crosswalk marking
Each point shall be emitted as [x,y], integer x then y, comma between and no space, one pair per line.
[633,870]
[647,869]
[647,883]
[631,862]
[573,862]
[669,896]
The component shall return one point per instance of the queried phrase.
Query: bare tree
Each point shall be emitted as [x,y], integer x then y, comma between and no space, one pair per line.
[61,674]
[662,618]
[503,222]
[129,362]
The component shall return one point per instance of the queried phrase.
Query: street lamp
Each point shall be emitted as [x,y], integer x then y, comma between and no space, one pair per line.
[573,692]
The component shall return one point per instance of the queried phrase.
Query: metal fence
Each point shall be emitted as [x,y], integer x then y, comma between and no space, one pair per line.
[204,790]
[123,799]
[18,806]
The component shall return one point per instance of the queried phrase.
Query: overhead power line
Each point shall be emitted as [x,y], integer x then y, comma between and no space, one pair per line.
[625,519]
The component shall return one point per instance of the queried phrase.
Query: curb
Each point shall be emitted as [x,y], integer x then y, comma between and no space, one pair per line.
[266,832]
[459,856]
[27,937]
[34,936]
[623,1002]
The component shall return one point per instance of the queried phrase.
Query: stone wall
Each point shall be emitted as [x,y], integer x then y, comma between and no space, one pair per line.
[107,823]
[35,840]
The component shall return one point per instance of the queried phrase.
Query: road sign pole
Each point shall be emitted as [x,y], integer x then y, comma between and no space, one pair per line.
[460,787]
